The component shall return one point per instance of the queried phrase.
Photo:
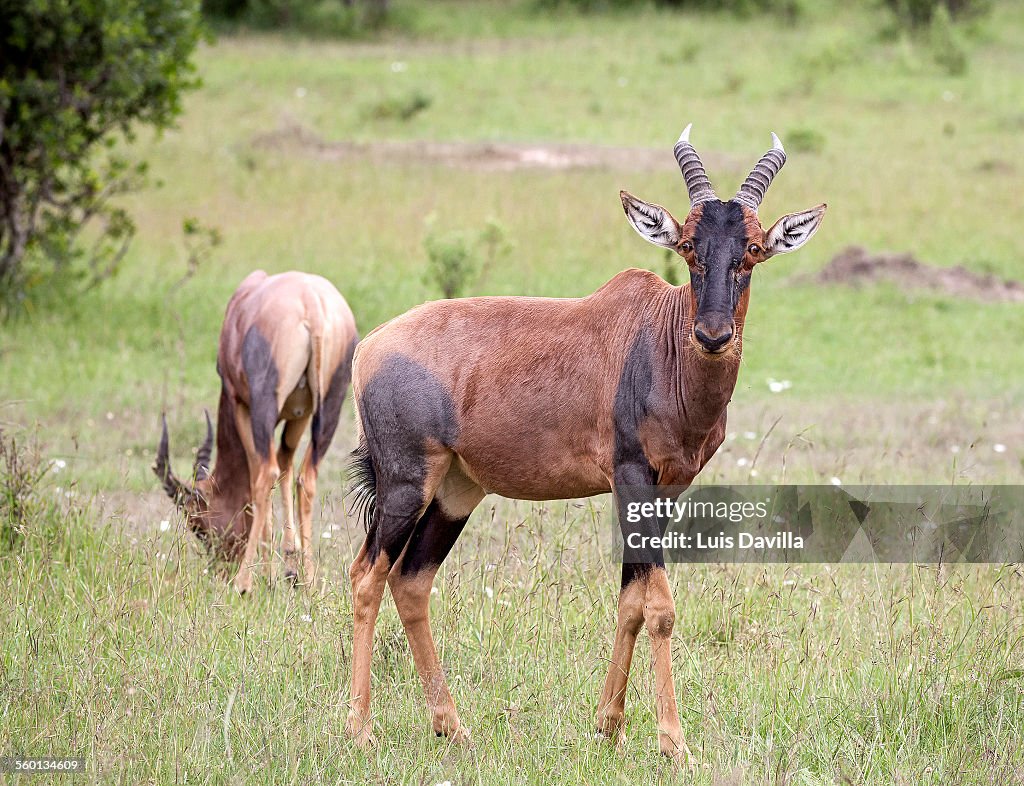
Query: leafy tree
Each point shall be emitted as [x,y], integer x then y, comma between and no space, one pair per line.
[77,76]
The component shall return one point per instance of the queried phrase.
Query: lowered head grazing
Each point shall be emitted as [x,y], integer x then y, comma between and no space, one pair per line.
[192,499]
[721,241]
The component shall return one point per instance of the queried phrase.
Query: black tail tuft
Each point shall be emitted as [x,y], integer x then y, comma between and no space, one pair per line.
[363,490]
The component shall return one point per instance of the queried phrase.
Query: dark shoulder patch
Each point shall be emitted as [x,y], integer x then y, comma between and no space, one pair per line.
[630,407]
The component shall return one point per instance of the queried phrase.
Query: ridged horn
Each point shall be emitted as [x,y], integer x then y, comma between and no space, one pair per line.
[756,185]
[201,470]
[175,489]
[697,183]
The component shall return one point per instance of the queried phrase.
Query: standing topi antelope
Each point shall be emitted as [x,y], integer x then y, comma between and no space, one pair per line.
[540,399]
[285,355]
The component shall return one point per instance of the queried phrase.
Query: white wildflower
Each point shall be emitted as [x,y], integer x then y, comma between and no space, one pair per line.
[999,447]
[836,481]
[165,525]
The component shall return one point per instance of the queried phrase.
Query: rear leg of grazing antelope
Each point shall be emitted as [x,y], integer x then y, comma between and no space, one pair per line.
[411,580]
[325,423]
[290,438]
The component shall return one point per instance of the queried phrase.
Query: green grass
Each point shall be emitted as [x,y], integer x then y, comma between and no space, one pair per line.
[120,647]
[137,659]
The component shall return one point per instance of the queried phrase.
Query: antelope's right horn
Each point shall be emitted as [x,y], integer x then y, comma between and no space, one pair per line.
[697,183]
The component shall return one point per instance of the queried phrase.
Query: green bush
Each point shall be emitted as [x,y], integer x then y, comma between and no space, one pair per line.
[402,107]
[21,486]
[75,76]
[456,260]
[948,48]
[787,8]
[805,140]
[916,14]
[344,18]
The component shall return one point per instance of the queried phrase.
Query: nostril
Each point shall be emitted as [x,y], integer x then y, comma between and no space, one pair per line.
[710,342]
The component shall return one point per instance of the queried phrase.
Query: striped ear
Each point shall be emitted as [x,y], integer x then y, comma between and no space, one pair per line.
[654,223]
[792,231]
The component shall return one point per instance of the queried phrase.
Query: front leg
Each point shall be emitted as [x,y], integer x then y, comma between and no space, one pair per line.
[644,599]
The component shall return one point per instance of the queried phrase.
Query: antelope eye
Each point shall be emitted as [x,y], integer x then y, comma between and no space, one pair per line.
[754,249]
[687,246]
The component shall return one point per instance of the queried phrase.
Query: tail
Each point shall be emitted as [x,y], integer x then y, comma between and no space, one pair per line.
[315,368]
[364,484]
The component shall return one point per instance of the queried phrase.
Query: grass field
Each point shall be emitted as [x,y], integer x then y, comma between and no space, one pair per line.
[120,644]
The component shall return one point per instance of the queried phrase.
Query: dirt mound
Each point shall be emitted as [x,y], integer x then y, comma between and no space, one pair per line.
[492,156]
[855,266]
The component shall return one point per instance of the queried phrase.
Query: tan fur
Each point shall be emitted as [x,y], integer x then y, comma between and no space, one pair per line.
[310,330]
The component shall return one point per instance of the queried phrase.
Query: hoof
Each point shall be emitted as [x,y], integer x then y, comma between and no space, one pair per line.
[611,729]
[292,577]
[360,732]
[460,736]
[242,584]
[677,753]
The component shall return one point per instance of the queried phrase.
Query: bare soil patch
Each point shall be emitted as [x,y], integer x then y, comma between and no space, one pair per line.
[489,156]
[856,266]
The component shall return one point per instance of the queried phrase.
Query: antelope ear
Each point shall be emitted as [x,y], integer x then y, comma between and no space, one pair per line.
[792,231]
[654,223]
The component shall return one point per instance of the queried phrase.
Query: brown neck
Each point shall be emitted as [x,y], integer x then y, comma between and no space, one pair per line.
[230,475]
[703,384]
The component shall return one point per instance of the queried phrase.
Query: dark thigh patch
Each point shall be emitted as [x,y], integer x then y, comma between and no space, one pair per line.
[325,419]
[261,374]
[403,406]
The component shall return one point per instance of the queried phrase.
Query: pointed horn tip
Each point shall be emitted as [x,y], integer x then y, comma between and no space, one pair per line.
[777,143]
[685,136]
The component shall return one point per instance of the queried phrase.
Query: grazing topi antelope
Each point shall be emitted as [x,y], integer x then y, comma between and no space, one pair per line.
[285,355]
[541,399]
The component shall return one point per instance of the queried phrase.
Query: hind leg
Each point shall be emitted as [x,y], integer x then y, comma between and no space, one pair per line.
[290,438]
[399,505]
[411,580]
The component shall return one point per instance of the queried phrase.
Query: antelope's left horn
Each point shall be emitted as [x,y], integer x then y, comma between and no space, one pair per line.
[201,470]
[175,489]
[756,185]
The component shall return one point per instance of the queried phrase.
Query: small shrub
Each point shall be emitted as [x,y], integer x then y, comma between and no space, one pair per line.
[343,18]
[402,107]
[200,242]
[788,9]
[457,260]
[918,14]
[805,140]
[21,474]
[948,48]
[451,262]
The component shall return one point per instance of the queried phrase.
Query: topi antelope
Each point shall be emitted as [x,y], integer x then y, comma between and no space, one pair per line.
[541,399]
[285,355]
